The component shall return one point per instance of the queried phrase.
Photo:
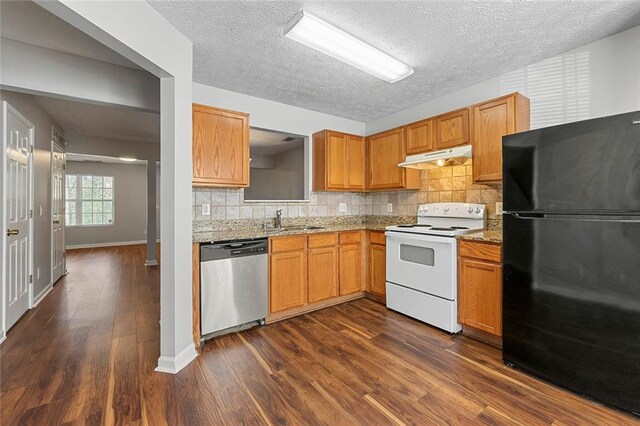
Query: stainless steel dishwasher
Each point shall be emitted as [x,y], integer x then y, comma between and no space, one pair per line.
[233,285]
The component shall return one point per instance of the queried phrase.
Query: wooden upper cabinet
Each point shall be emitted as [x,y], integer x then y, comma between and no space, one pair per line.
[420,136]
[356,160]
[337,165]
[385,150]
[220,147]
[338,161]
[452,129]
[493,120]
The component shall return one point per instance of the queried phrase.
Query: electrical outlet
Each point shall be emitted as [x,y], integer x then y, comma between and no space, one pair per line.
[144,231]
[342,207]
[206,209]
[389,207]
[499,207]
[41,211]
[38,273]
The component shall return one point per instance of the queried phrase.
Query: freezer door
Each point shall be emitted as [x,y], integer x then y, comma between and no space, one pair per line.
[591,165]
[571,304]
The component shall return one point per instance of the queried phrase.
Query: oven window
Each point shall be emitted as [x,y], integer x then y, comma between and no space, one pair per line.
[415,254]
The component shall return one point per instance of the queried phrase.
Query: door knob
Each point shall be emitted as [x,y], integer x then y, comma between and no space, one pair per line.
[56,222]
[12,232]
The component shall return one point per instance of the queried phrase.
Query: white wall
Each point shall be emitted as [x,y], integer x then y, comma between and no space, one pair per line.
[28,107]
[93,145]
[35,69]
[138,32]
[599,79]
[130,205]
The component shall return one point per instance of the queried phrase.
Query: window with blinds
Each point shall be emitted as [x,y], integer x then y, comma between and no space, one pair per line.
[559,89]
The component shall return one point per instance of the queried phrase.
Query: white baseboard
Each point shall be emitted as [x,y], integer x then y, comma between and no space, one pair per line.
[173,365]
[3,336]
[42,294]
[112,244]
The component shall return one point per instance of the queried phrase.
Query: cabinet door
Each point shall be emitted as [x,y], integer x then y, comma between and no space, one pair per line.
[323,273]
[420,137]
[452,129]
[480,304]
[220,147]
[337,165]
[385,152]
[355,162]
[287,280]
[492,121]
[350,266]
[377,269]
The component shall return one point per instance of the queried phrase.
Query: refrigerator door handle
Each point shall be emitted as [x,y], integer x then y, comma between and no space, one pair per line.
[633,218]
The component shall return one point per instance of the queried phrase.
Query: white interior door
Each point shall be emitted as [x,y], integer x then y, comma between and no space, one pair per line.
[57,212]
[18,142]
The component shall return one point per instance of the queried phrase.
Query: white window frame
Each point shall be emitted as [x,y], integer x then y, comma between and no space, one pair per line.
[78,201]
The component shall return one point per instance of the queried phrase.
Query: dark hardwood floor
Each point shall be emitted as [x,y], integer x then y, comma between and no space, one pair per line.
[86,355]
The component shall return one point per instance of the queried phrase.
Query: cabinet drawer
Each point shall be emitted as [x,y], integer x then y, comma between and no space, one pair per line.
[323,240]
[350,237]
[295,242]
[376,237]
[485,251]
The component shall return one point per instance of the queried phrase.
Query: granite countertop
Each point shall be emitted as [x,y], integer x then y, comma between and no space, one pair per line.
[485,235]
[239,234]
[244,229]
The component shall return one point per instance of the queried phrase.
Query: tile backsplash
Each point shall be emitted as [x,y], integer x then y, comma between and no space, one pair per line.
[443,184]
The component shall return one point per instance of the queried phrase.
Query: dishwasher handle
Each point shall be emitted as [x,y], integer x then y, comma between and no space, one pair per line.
[230,249]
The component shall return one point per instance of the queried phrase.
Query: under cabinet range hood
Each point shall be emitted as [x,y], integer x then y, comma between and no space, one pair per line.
[436,158]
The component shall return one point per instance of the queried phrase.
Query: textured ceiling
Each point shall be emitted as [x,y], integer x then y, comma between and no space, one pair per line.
[103,121]
[239,46]
[27,22]
[266,142]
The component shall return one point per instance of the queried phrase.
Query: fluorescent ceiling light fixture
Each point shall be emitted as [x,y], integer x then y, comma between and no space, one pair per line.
[324,37]
[128,159]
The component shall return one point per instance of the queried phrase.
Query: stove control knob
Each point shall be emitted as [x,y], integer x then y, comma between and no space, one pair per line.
[446,209]
[478,210]
[470,210]
[426,208]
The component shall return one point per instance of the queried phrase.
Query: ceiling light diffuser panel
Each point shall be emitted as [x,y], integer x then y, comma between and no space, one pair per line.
[324,37]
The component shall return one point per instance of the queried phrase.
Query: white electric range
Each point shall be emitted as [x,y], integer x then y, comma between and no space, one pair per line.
[422,273]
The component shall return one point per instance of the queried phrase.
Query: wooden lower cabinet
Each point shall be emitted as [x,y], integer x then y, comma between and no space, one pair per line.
[378,269]
[310,272]
[350,261]
[480,287]
[287,280]
[377,263]
[323,273]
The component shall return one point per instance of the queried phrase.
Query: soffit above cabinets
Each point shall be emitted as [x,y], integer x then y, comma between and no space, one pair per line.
[239,46]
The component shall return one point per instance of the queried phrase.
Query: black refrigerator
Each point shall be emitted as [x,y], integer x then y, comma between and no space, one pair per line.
[571,286]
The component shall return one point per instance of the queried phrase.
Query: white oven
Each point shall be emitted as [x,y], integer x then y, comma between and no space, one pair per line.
[422,274]
[422,262]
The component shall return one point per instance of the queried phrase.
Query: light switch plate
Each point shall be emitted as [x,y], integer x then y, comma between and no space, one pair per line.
[206,209]
[342,207]
[499,207]
[389,207]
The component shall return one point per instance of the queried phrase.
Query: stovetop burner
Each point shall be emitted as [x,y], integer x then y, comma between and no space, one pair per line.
[414,225]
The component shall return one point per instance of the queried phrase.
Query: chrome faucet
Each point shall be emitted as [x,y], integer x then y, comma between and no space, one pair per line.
[278,224]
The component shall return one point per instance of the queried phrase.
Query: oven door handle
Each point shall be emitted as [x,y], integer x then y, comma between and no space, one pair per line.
[422,238]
